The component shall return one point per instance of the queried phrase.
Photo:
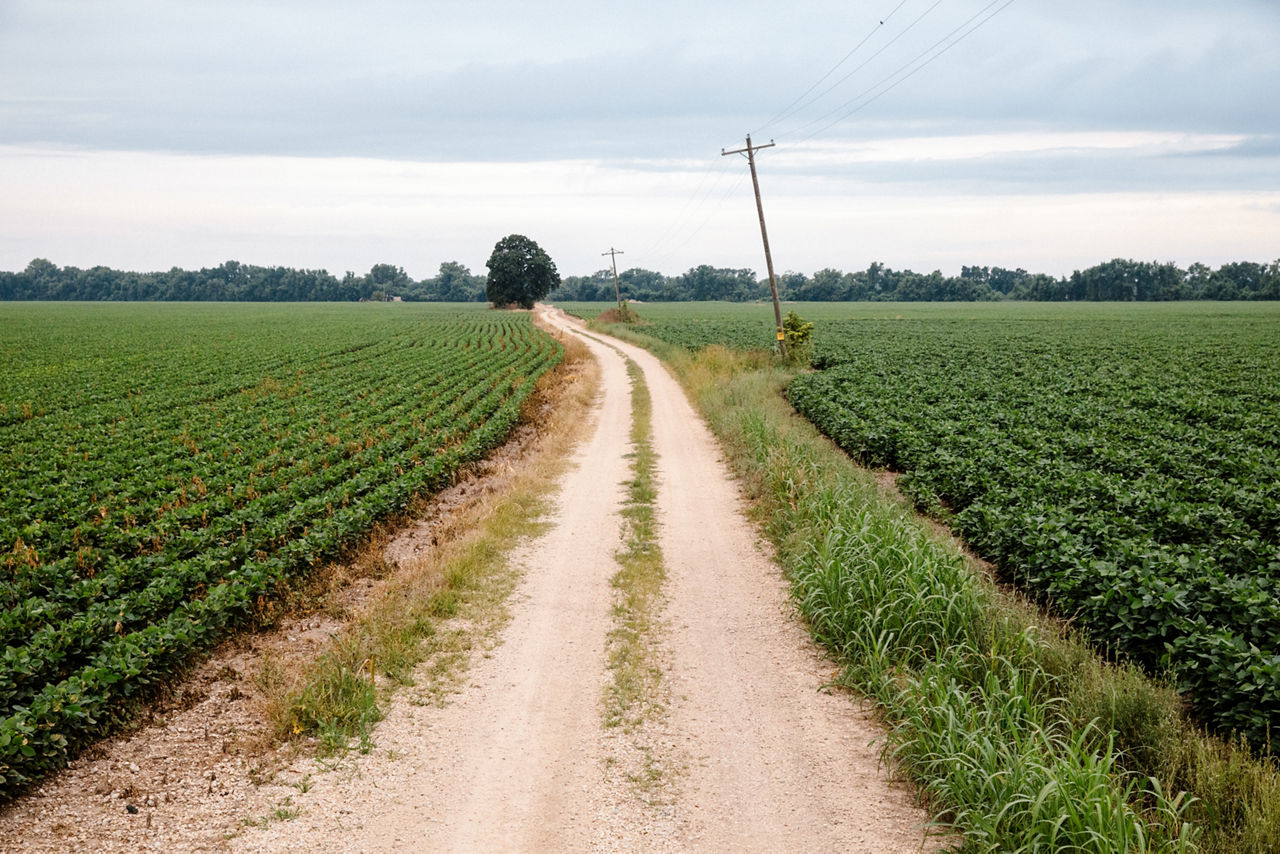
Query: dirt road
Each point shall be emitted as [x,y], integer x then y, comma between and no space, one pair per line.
[744,750]
[757,756]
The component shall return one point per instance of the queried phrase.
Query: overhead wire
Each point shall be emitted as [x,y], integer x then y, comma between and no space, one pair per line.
[848,108]
[795,106]
[720,203]
[658,250]
[703,194]
[692,204]
[875,55]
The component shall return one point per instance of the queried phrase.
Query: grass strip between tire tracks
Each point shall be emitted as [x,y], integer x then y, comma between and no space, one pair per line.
[634,698]
[1018,735]
[632,695]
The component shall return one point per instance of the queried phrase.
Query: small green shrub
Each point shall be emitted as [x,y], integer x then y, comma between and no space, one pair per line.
[799,336]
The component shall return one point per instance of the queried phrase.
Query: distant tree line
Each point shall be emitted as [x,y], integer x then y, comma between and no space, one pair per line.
[1120,280]
[236,282]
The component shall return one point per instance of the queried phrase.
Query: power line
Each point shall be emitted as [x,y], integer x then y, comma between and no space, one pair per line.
[692,204]
[873,56]
[720,203]
[706,189]
[787,111]
[698,199]
[848,106]
[869,59]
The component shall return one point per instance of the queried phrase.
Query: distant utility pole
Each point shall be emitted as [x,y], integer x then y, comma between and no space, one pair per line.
[750,152]
[613,255]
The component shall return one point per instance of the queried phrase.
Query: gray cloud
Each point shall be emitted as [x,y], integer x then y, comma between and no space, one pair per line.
[1262,147]
[646,85]
[1066,173]
[1132,66]
[504,80]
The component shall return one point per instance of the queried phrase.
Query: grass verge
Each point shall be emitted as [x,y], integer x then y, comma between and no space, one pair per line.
[1018,735]
[335,698]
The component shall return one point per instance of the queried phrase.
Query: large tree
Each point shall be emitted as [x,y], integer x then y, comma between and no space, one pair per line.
[520,272]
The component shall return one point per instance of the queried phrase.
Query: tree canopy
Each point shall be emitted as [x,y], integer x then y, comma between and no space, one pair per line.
[520,272]
[1118,279]
[234,281]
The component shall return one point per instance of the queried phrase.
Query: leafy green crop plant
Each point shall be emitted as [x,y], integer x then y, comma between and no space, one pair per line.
[189,463]
[1124,472]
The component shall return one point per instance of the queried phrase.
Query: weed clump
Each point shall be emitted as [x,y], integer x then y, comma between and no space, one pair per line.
[799,337]
[624,313]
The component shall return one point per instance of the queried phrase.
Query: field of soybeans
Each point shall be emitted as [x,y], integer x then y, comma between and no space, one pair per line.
[168,468]
[1121,463]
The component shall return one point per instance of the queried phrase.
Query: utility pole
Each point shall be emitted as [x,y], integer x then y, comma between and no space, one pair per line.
[613,256]
[750,152]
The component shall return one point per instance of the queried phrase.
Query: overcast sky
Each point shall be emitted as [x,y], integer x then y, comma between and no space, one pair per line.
[146,134]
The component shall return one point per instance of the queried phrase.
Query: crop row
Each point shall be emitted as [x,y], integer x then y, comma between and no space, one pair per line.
[1127,472]
[250,452]
[153,499]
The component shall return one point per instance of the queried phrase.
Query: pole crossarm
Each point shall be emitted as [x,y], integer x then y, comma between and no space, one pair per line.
[750,152]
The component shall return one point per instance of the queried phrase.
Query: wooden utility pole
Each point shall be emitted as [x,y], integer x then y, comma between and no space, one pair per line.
[613,256]
[750,152]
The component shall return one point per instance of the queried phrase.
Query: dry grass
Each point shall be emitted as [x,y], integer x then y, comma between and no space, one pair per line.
[437,606]
[623,314]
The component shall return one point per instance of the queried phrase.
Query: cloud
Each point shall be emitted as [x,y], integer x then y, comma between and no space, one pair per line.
[489,78]
[1037,162]
[456,82]
[153,211]
[1262,146]
[323,133]
[617,104]
[1086,65]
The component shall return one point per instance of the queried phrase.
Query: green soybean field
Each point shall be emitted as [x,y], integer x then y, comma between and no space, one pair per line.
[165,469]
[1120,462]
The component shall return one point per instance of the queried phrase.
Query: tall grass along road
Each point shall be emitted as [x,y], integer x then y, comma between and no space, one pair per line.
[774,763]
[742,748]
